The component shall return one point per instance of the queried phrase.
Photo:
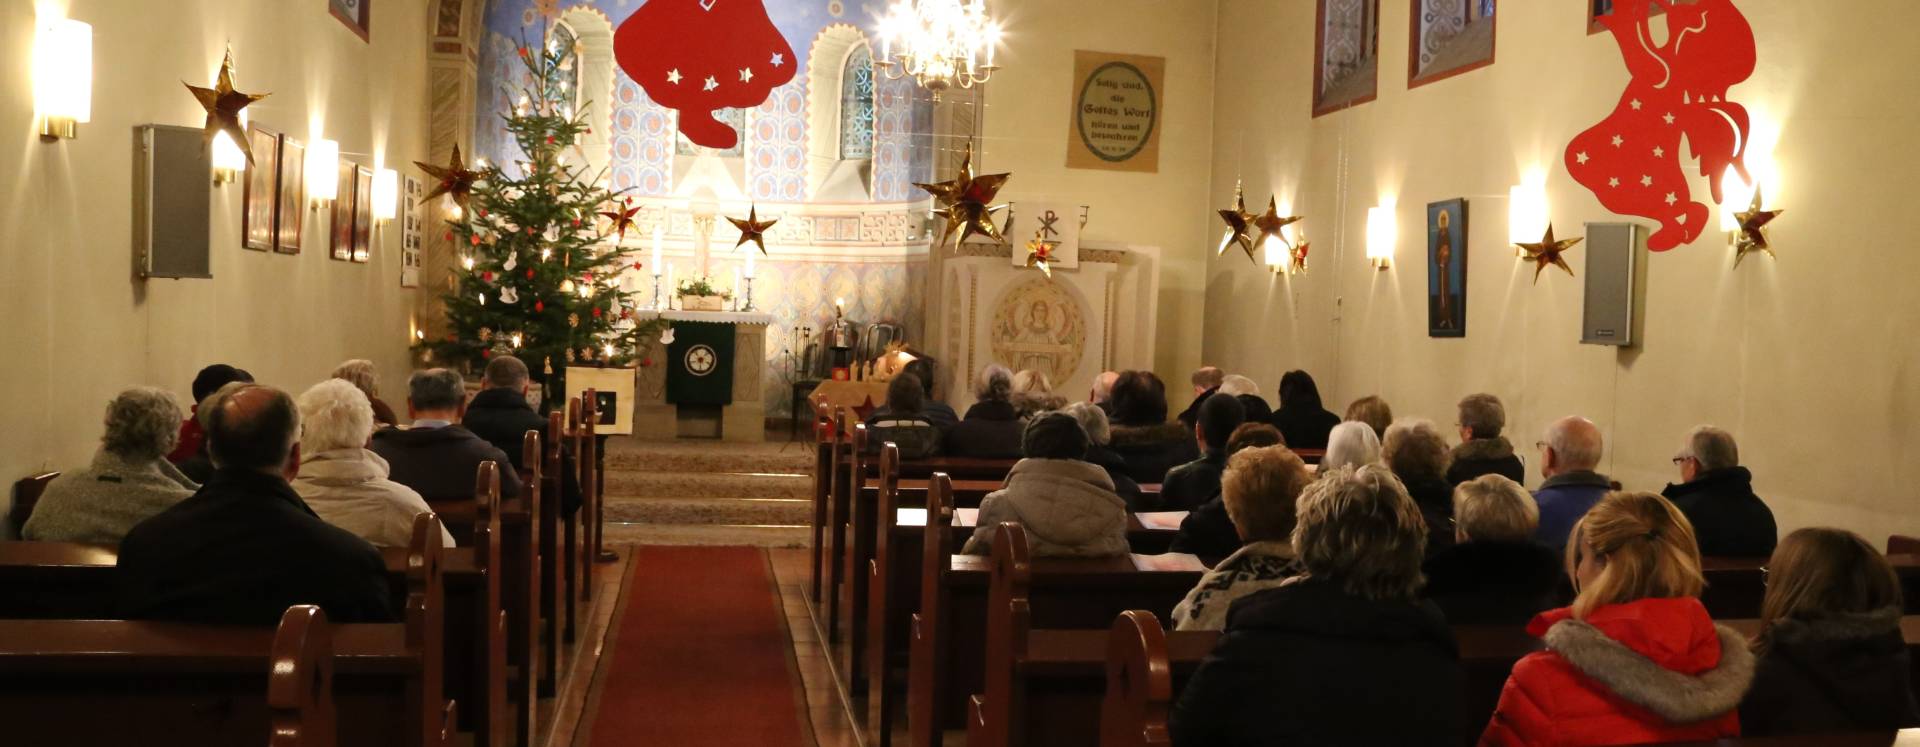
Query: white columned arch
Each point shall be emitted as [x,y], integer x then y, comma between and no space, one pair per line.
[826,60]
[595,34]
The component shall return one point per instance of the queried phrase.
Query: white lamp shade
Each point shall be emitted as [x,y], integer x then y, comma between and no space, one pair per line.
[1736,196]
[227,155]
[1275,251]
[63,69]
[386,194]
[1526,213]
[1381,232]
[323,169]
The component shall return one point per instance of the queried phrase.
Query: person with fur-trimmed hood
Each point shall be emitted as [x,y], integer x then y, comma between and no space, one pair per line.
[1636,659]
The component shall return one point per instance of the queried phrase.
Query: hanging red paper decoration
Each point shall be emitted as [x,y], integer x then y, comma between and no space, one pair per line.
[1632,160]
[699,56]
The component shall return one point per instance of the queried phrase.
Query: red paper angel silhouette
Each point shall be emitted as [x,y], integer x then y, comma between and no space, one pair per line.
[699,56]
[1631,160]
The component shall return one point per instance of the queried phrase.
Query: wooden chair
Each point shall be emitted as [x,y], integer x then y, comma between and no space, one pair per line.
[26,495]
[300,681]
[1139,683]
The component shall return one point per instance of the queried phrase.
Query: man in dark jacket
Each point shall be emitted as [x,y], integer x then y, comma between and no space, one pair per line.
[1206,381]
[501,415]
[435,456]
[245,547]
[939,413]
[1716,494]
[1482,450]
[1572,450]
[1190,484]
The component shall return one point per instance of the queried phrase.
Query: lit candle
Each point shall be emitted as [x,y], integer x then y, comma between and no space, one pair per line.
[749,273]
[656,251]
[840,306]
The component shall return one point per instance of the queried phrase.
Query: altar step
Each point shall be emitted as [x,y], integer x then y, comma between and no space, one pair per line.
[708,493]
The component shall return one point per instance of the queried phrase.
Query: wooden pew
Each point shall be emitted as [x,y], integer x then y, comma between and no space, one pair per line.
[555,604]
[300,710]
[26,495]
[834,573]
[1897,544]
[852,606]
[823,468]
[1735,586]
[81,683]
[595,492]
[569,529]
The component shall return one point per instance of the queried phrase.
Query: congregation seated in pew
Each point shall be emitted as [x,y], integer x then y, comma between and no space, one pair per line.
[1303,421]
[1193,483]
[1208,530]
[341,480]
[1033,394]
[1832,657]
[1493,573]
[1350,444]
[1099,430]
[1346,652]
[1569,453]
[1635,659]
[1373,411]
[1716,494]
[361,373]
[1482,450]
[1247,392]
[501,414]
[903,422]
[1206,381]
[1259,490]
[245,547]
[992,427]
[435,455]
[1417,454]
[934,408]
[1142,436]
[128,481]
[190,454]
[1066,504]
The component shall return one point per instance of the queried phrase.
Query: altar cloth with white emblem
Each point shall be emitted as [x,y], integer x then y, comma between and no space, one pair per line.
[711,360]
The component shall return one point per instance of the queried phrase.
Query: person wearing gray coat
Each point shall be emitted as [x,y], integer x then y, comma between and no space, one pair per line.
[1066,505]
[128,481]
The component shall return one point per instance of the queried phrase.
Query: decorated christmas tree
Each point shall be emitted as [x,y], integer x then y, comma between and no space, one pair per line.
[539,269]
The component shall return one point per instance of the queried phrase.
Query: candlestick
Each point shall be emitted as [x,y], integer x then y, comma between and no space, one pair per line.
[750,256]
[749,304]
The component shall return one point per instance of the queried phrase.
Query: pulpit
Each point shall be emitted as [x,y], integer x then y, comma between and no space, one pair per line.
[708,373]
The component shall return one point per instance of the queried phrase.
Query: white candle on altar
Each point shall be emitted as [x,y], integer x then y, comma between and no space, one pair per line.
[749,274]
[656,251]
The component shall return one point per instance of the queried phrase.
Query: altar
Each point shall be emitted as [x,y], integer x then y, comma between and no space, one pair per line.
[705,378]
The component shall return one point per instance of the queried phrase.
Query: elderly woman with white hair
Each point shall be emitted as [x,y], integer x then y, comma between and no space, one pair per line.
[341,480]
[1350,444]
[992,427]
[1343,653]
[1494,574]
[128,481]
[1093,420]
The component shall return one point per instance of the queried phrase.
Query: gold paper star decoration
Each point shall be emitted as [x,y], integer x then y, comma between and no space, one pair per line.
[1270,224]
[1299,258]
[452,179]
[1040,253]
[1239,222]
[752,229]
[622,217]
[964,202]
[224,105]
[1547,252]
[1752,235]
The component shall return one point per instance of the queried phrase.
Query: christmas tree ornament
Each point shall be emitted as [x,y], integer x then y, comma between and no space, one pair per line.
[570,355]
[454,180]
[621,216]
[224,107]
[963,201]
[573,320]
[510,294]
[1547,252]
[1752,236]
[539,306]
[1040,253]
[700,56]
[513,260]
[752,229]
[486,276]
[485,334]
[666,337]
[1239,222]
[586,354]
[566,286]
[1272,228]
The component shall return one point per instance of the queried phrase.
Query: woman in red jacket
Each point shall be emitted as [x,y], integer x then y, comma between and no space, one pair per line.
[1636,658]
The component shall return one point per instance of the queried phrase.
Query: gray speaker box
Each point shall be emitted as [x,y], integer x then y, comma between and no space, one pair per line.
[173,198]
[1613,253]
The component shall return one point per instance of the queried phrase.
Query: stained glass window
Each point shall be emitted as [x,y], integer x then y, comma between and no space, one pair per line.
[856,105]
[735,118]
[563,39]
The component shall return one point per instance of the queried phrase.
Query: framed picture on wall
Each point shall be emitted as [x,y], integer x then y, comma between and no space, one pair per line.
[1447,268]
[1447,38]
[412,232]
[362,214]
[340,233]
[257,205]
[1346,54]
[289,217]
[355,14]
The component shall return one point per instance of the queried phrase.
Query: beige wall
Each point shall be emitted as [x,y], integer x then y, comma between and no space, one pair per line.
[1807,358]
[78,326]
[1029,106]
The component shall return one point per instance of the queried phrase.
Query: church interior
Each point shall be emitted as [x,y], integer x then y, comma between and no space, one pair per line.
[586,373]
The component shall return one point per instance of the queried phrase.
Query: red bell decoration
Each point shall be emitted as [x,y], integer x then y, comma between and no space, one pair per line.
[699,56]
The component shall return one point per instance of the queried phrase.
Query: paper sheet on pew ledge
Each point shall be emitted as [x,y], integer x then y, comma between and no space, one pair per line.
[1161,519]
[1173,561]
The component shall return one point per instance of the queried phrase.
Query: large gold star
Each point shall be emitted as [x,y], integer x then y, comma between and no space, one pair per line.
[963,201]
[1270,224]
[1040,253]
[452,179]
[1547,252]
[752,229]
[622,217]
[1752,236]
[224,105]
[1239,221]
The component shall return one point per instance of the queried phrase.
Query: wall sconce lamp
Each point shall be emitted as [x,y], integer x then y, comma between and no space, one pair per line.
[228,159]
[1275,253]
[1382,234]
[386,194]
[1526,214]
[62,77]
[323,172]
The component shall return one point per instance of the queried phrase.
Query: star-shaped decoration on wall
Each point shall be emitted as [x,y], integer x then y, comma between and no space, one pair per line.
[963,202]
[711,84]
[1239,222]
[1547,252]
[778,59]
[1270,224]
[1040,253]
[1299,259]
[224,105]
[746,75]
[622,217]
[453,179]
[1752,234]
[673,76]
[752,229]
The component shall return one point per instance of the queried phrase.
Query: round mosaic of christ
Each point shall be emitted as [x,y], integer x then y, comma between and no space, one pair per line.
[1040,325]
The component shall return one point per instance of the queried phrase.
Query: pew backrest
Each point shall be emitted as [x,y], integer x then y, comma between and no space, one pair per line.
[1139,683]
[300,681]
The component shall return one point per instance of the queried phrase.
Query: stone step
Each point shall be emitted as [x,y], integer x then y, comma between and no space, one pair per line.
[711,484]
[707,535]
[695,511]
[626,454]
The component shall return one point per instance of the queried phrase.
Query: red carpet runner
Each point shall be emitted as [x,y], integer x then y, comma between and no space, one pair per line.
[699,655]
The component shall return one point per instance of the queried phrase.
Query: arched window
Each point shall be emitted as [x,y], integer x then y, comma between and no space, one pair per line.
[565,41]
[856,105]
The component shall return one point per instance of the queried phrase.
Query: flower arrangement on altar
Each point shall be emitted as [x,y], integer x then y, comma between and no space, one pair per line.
[700,294]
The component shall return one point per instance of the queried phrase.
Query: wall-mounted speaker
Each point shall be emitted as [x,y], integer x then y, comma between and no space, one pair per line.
[1613,251]
[173,195]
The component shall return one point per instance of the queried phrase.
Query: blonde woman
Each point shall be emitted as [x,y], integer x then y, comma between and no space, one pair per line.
[360,373]
[1258,490]
[1831,655]
[1635,659]
[1373,411]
